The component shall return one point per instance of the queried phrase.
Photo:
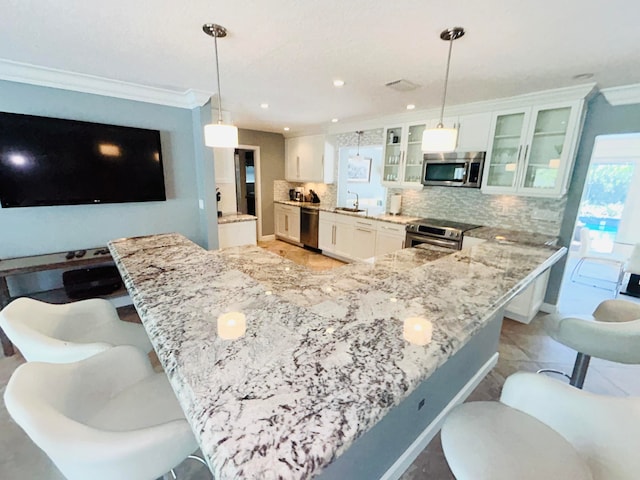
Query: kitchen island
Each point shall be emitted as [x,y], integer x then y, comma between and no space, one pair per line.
[324,361]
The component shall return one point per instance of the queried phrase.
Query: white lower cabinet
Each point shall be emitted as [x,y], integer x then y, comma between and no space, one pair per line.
[237,233]
[364,239]
[335,234]
[287,222]
[355,238]
[390,238]
[526,304]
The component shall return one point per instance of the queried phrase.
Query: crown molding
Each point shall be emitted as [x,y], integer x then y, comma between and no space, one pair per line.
[545,97]
[625,95]
[79,82]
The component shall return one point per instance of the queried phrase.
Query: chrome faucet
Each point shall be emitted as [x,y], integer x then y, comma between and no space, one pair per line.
[357,202]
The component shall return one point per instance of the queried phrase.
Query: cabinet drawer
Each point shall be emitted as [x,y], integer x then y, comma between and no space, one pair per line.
[391,228]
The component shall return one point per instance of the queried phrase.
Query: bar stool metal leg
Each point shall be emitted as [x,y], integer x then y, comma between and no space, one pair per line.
[580,370]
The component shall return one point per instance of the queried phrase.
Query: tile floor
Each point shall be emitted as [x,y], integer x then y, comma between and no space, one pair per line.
[522,347]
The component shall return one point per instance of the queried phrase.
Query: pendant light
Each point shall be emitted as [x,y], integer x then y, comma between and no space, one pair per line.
[359,133]
[218,134]
[442,139]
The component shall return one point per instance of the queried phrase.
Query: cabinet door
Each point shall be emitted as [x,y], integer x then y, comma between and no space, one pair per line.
[326,232]
[473,133]
[293,223]
[312,158]
[292,159]
[393,156]
[224,165]
[413,158]
[388,242]
[546,151]
[364,238]
[343,238]
[501,169]
[281,222]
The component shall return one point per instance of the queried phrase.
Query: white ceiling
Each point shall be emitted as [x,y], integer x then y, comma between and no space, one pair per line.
[288,52]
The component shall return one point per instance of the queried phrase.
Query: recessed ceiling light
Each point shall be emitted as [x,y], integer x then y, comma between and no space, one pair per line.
[411,106]
[338,83]
[264,105]
[286,129]
[334,120]
[583,76]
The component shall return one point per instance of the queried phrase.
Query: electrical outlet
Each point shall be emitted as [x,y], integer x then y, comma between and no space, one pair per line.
[201,204]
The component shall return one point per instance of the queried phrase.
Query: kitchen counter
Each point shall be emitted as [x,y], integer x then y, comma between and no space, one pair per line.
[323,358]
[235,218]
[502,235]
[385,217]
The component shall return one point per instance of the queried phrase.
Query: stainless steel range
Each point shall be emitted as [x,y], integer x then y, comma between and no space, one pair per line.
[433,231]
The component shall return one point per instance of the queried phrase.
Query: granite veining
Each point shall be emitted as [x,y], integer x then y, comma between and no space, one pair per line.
[323,358]
[235,218]
[512,236]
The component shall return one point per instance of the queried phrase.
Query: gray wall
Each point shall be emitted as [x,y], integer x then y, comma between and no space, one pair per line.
[602,119]
[37,230]
[271,168]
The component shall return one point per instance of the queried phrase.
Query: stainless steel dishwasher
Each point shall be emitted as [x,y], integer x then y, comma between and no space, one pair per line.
[309,227]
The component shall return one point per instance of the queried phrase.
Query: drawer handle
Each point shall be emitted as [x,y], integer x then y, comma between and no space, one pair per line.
[363,230]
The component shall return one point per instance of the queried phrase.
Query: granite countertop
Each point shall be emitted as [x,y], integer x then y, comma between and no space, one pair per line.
[503,235]
[323,358]
[385,217]
[235,217]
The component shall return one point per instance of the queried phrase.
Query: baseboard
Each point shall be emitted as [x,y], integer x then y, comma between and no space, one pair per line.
[549,308]
[406,459]
[267,238]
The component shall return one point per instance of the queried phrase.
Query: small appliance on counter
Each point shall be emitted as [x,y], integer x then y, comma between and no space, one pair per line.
[395,202]
[299,195]
[314,197]
[292,194]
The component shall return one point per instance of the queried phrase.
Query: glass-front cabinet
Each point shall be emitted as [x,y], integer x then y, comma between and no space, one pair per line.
[403,156]
[532,150]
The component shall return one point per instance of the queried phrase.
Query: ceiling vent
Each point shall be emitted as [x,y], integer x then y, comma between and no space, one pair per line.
[402,85]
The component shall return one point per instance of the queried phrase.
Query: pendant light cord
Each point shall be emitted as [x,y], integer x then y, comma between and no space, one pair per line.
[359,133]
[446,82]
[215,42]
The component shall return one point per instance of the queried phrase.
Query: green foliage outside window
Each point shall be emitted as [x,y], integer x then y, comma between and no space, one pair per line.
[606,190]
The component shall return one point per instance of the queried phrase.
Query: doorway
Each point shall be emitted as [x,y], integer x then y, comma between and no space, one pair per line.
[609,215]
[247,179]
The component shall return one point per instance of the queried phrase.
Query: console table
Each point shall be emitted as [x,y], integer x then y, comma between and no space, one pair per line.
[40,263]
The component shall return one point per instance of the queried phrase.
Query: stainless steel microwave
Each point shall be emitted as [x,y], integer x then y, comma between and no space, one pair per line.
[454,169]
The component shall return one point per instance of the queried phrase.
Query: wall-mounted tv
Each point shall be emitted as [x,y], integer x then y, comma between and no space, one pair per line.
[51,161]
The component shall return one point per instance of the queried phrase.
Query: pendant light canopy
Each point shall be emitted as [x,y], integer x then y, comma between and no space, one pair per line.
[218,134]
[442,139]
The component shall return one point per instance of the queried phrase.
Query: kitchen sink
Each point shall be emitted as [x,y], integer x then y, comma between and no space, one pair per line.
[349,209]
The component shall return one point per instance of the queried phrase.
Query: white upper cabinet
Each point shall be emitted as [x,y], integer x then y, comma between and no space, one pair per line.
[403,155]
[532,150]
[473,132]
[309,159]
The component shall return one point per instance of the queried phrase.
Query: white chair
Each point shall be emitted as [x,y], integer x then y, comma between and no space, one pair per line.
[69,332]
[103,418]
[544,429]
[612,260]
[632,267]
[611,333]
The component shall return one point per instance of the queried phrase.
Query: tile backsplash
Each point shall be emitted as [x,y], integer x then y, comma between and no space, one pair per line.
[528,214]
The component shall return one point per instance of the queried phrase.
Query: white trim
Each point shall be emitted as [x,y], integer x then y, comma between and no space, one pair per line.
[268,238]
[410,454]
[548,308]
[626,95]
[558,95]
[80,82]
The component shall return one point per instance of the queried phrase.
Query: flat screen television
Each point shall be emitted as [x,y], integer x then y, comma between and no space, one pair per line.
[51,161]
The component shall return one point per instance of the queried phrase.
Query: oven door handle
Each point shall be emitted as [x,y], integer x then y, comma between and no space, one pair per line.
[452,244]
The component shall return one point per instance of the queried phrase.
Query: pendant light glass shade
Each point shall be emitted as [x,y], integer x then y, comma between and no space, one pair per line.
[440,139]
[220,136]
